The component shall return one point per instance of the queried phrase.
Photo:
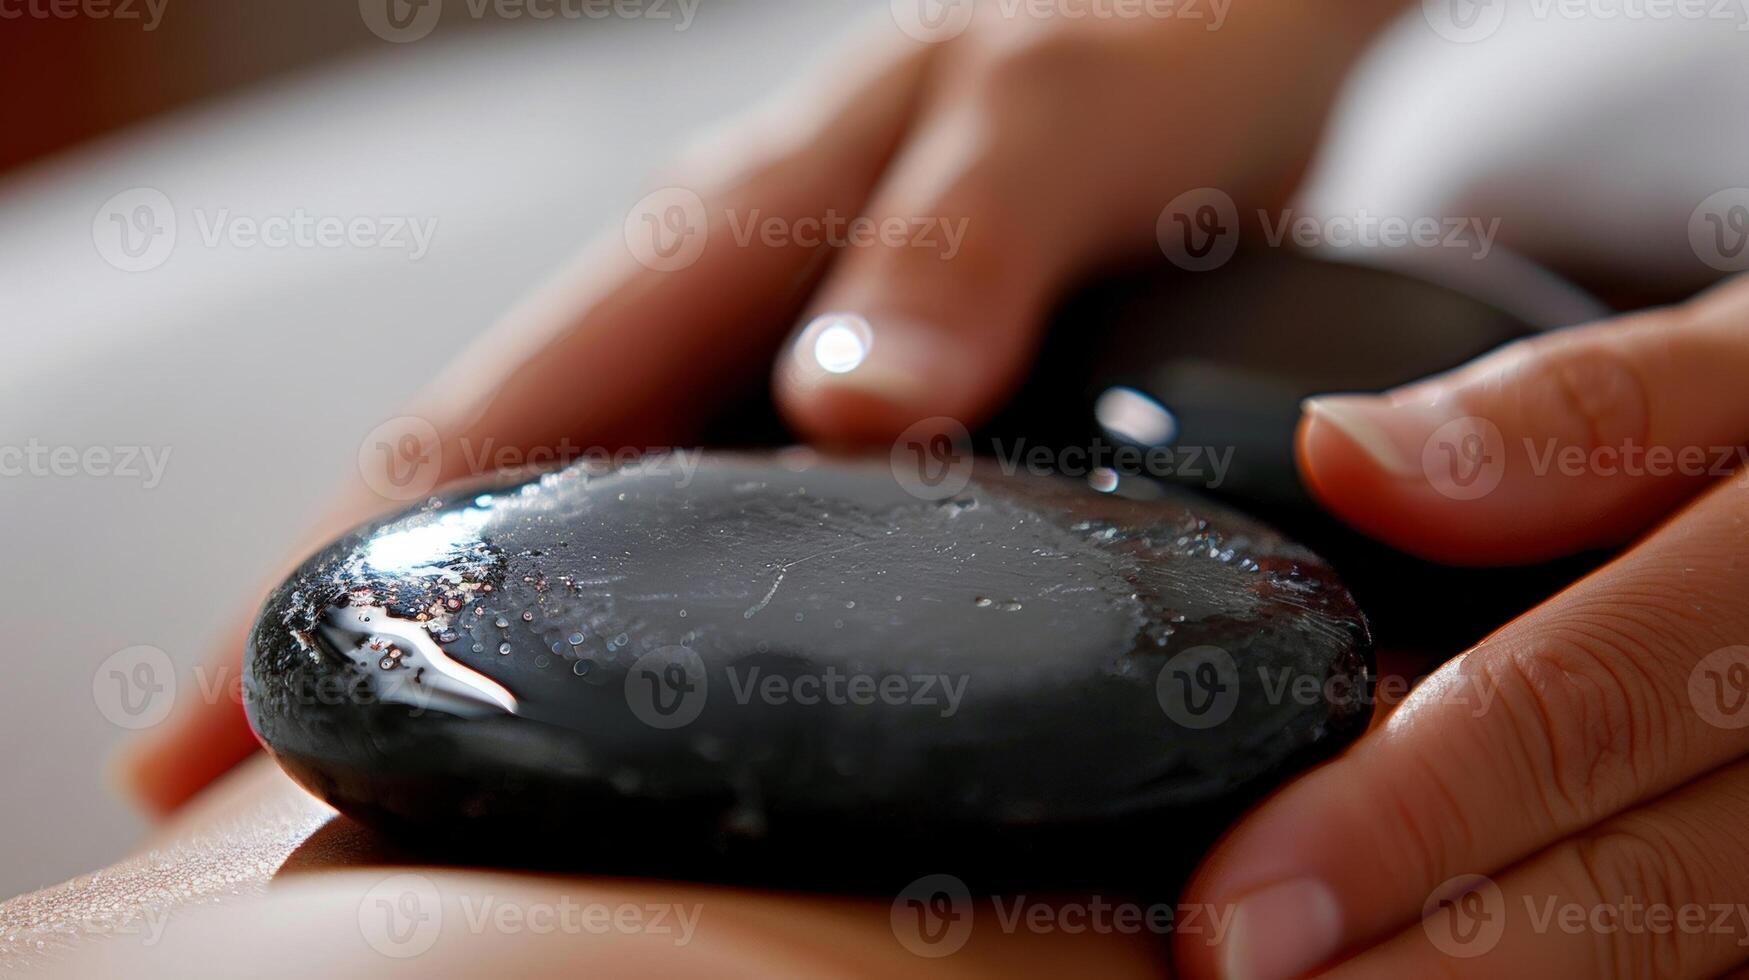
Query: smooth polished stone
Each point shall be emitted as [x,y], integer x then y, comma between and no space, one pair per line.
[1228,355]
[791,668]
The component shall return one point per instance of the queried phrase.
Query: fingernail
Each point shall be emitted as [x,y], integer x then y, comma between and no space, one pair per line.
[1393,435]
[1282,931]
[890,358]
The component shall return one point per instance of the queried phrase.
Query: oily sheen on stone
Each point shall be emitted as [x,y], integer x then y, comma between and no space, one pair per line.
[794,668]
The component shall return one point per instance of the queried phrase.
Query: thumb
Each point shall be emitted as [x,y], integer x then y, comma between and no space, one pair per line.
[1564,442]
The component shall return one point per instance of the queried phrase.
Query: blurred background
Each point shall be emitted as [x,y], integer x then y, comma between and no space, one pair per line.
[213,391]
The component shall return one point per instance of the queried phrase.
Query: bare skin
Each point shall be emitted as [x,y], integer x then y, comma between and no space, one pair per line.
[258,878]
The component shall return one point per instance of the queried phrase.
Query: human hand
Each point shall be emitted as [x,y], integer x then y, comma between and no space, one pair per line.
[1588,758]
[1029,149]
[257,878]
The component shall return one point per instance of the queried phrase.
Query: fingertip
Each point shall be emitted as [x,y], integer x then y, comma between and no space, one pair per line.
[843,417]
[847,380]
[1353,454]
[164,768]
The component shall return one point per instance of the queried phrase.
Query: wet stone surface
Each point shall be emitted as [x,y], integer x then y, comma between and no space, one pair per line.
[787,668]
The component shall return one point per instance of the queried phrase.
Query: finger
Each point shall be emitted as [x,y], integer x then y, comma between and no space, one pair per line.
[1654,892]
[614,353]
[1568,441]
[433,922]
[937,317]
[1043,151]
[993,205]
[1570,714]
[258,878]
